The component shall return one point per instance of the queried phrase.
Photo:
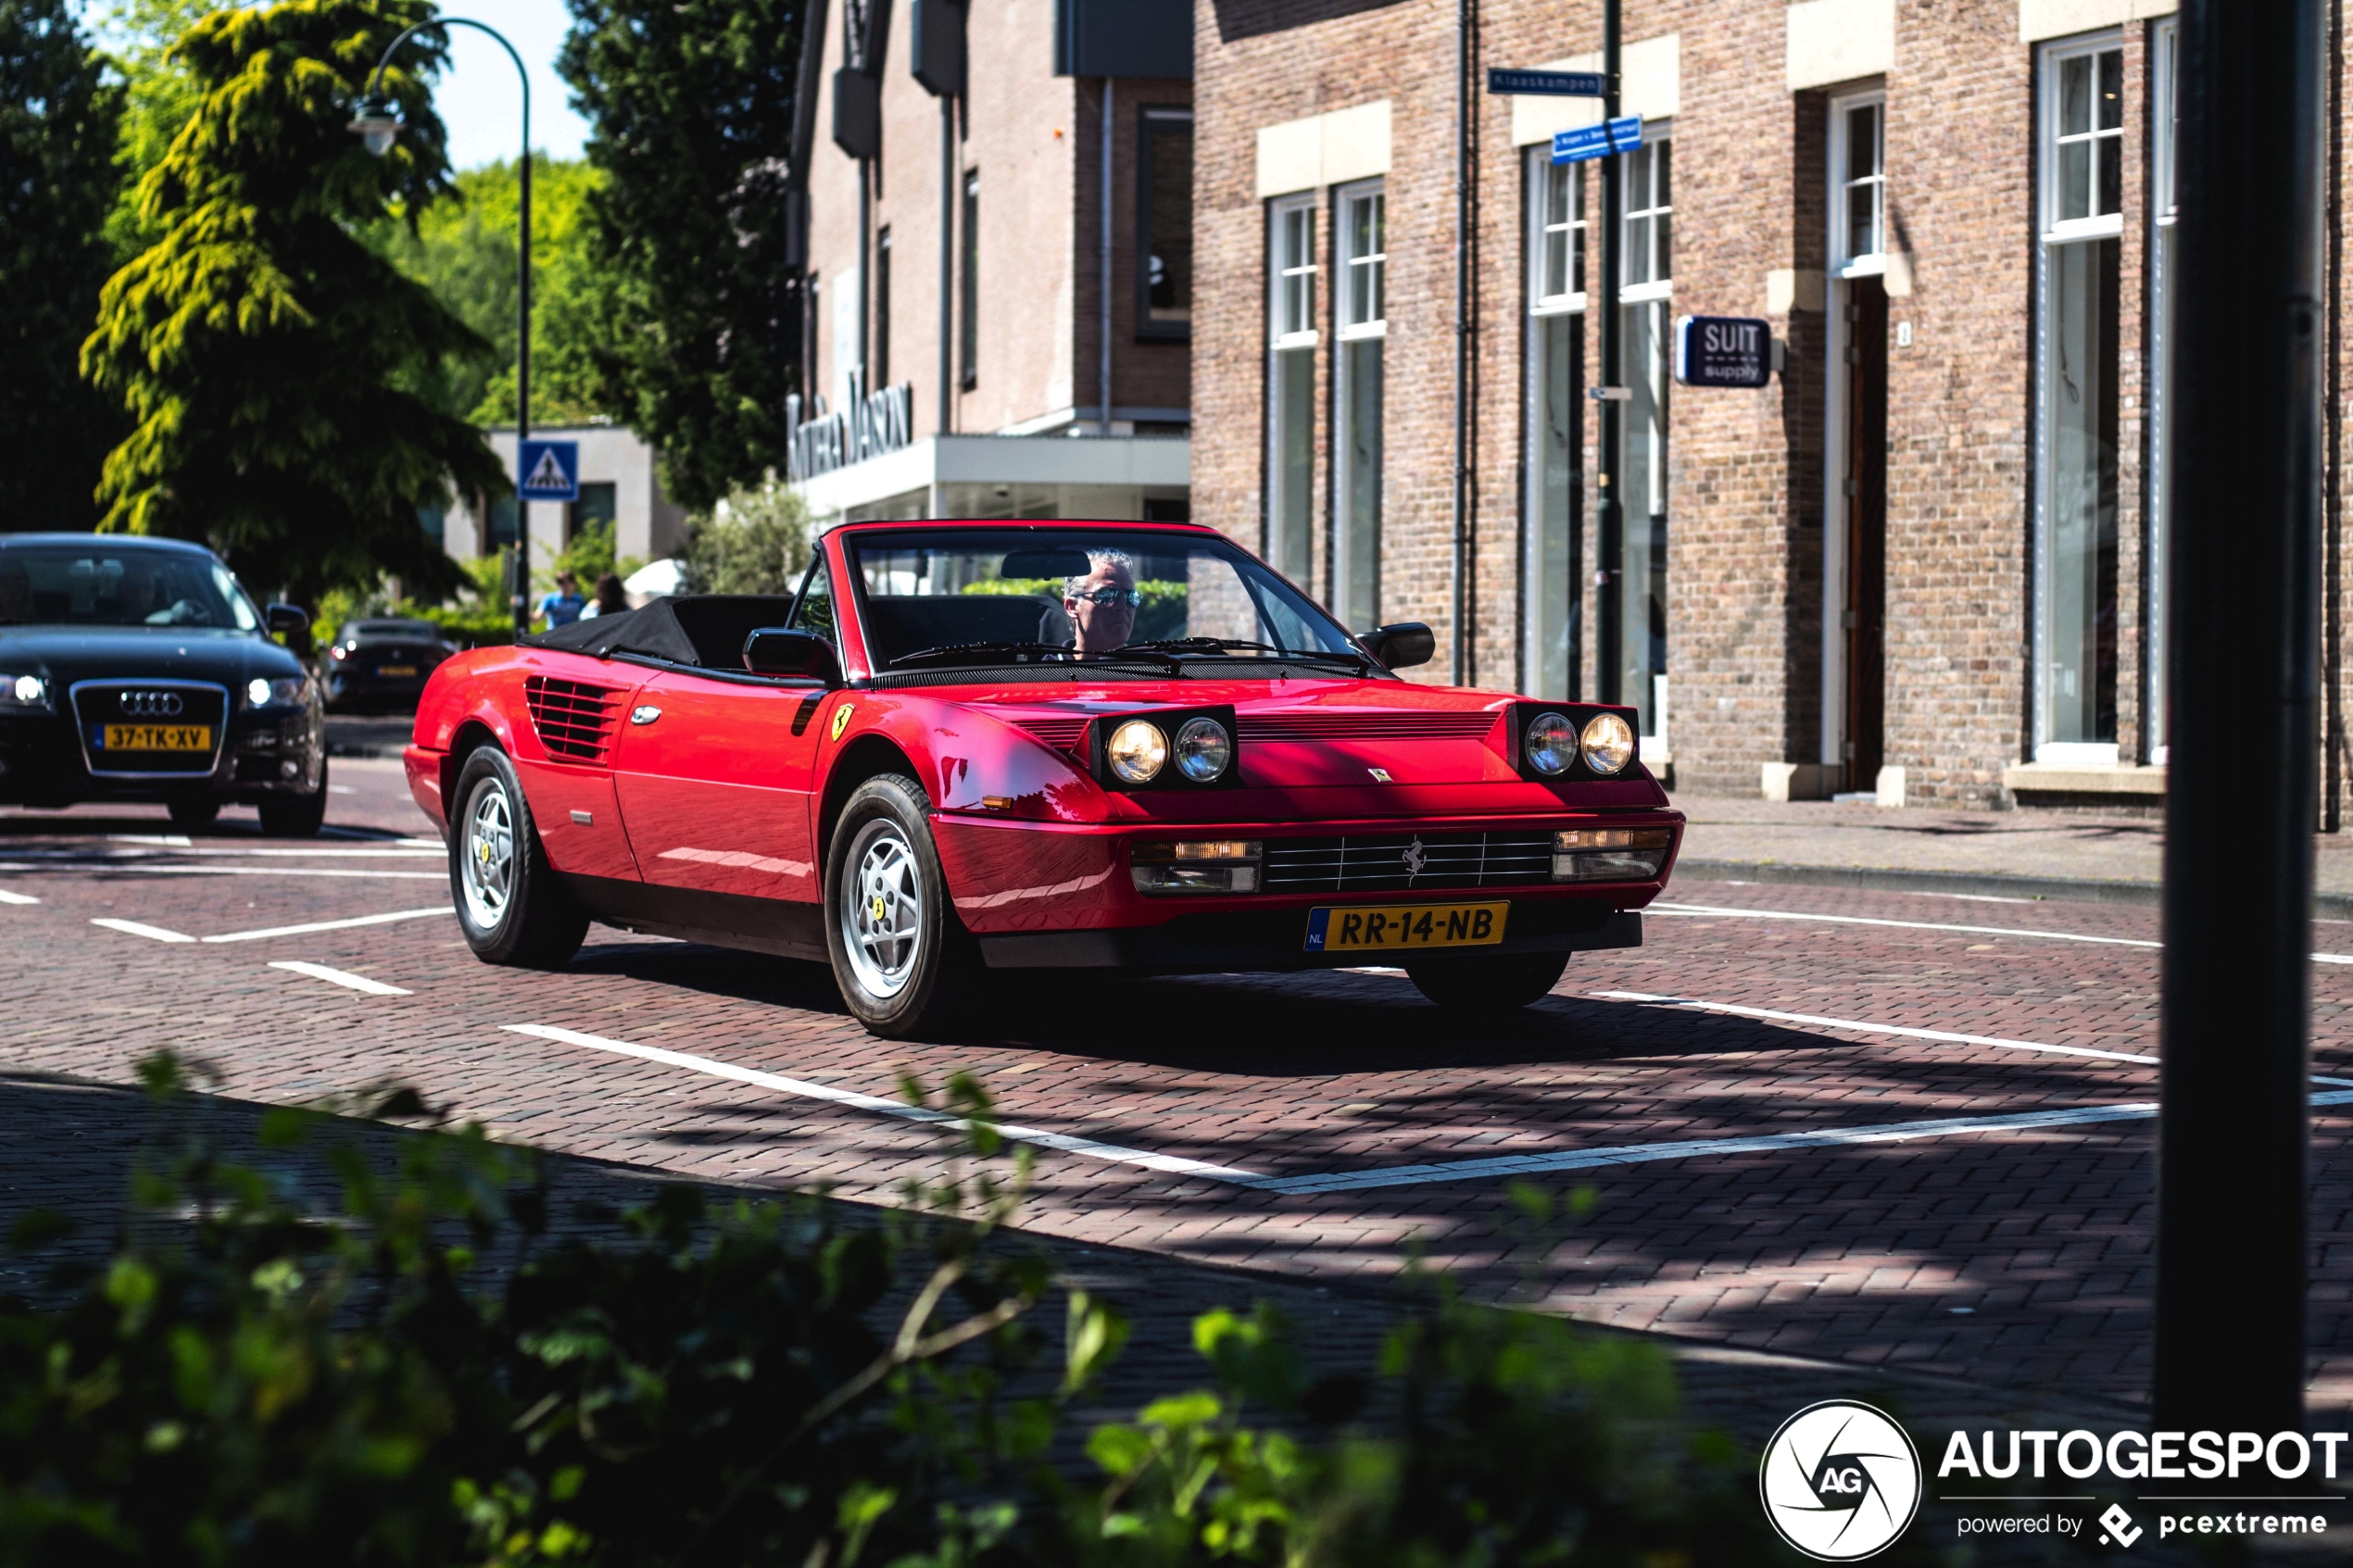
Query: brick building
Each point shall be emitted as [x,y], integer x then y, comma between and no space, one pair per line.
[1923,561]
[993,217]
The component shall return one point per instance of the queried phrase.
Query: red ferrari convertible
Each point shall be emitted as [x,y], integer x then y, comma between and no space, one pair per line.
[969,746]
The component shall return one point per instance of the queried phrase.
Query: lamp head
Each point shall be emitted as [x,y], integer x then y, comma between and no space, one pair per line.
[375,124]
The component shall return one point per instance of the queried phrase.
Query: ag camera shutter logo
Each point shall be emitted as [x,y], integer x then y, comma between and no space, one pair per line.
[1840,1481]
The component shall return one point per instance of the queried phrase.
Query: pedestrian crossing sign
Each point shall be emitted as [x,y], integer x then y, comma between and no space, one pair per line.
[550,470]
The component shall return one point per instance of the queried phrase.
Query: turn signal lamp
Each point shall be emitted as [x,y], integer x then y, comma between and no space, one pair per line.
[1217,865]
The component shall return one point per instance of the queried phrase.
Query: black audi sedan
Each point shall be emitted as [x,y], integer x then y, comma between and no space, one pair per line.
[382,663]
[135,669]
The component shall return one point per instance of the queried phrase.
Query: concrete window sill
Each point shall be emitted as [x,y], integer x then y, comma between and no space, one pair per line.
[2068,778]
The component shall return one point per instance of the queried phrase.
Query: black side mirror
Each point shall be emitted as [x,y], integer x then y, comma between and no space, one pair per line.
[792,655]
[1403,645]
[286,619]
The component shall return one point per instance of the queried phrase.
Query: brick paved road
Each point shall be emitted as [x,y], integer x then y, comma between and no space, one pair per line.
[2013,1257]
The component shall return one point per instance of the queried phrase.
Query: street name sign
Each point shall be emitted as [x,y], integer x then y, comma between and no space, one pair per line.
[1620,135]
[549,470]
[1546,83]
[1723,351]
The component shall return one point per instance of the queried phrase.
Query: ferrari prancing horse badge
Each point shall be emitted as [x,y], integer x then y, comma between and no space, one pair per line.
[841,720]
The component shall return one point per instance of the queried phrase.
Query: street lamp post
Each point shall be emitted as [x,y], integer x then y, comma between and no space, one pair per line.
[377,125]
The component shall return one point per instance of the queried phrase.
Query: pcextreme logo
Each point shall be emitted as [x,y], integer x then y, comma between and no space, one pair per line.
[1840,1481]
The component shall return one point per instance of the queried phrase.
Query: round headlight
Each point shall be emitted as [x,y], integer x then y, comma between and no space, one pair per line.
[1203,749]
[1608,744]
[29,689]
[257,693]
[1552,744]
[1137,751]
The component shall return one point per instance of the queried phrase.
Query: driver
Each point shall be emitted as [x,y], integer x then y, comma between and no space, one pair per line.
[1101,605]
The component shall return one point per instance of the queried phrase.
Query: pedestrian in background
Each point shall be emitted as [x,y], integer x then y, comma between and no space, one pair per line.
[562,607]
[611,598]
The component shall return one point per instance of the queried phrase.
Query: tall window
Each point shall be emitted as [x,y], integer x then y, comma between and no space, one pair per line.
[1363,267]
[968,305]
[1552,572]
[1290,387]
[1165,216]
[881,378]
[2165,47]
[1645,299]
[2082,120]
[1859,134]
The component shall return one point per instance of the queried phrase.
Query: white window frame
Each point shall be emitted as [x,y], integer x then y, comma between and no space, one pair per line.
[1654,134]
[2054,233]
[2164,65]
[2106,225]
[1851,264]
[1282,268]
[1543,223]
[1374,263]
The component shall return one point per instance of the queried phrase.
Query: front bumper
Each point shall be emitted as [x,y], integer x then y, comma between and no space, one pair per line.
[1273,941]
[265,754]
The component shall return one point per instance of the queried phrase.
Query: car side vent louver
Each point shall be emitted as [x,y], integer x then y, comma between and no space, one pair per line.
[1063,735]
[1262,727]
[572,719]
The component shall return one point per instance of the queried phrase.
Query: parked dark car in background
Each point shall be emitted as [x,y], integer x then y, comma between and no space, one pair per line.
[135,669]
[382,664]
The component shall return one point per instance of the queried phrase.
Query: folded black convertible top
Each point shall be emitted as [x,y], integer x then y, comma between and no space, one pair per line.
[705,630]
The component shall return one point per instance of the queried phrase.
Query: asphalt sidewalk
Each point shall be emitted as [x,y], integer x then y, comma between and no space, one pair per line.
[2028,853]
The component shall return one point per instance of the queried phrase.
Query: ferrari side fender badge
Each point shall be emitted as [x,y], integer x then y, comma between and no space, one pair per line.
[1380,776]
[841,720]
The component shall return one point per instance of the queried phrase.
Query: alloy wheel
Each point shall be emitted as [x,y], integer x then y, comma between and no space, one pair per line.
[486,863]
[882,910]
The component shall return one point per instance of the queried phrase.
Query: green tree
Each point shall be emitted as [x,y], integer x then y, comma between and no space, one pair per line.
[159,97]
[268,357]
[464,251]
[692,105]
[58,120]
[754,541]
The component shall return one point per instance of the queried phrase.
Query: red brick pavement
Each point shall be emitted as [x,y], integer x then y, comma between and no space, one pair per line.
[2018,1259]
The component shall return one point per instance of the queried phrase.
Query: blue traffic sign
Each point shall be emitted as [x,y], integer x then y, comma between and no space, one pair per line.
[1547,83]
[1723,351]
[1620,135]
[549,470]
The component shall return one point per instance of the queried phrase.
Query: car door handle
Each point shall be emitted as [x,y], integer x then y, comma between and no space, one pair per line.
[646,714]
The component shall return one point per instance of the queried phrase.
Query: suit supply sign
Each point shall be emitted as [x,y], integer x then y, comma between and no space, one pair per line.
[1723,351]
[549,470]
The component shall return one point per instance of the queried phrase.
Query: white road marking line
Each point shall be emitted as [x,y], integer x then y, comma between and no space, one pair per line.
[330,925]
[9,898]
[132,928]
[340,977]
[1643,1153]
[807,1090]
[279,870]
[178,840]
[1860,1027]
[1715,911]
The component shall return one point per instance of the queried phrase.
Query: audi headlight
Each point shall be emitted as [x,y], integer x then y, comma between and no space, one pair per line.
[1203,750]
[287,691]
[1608,744]
[1552,744]
[23,691]
[1137,751]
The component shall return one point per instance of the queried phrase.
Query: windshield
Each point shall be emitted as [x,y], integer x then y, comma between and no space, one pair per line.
[1068,592]
[91,585]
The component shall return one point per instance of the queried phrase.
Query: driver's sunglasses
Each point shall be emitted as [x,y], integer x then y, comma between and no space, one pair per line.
[1128,596]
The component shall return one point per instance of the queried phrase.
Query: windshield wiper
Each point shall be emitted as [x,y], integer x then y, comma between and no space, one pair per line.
[1219,644]
[952,653]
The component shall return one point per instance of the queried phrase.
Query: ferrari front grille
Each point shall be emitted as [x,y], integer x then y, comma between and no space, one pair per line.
[572,719]
[1409,862]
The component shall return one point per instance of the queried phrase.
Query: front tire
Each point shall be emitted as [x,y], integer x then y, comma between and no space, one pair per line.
[1488,982]
[901,958]
[512,904]
[294,816]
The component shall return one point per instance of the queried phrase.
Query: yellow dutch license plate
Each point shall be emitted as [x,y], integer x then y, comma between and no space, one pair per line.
[1387,927]
[158,737]
[396,669]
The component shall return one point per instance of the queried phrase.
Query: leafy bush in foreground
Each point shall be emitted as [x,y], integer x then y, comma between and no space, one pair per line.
[435,1375]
